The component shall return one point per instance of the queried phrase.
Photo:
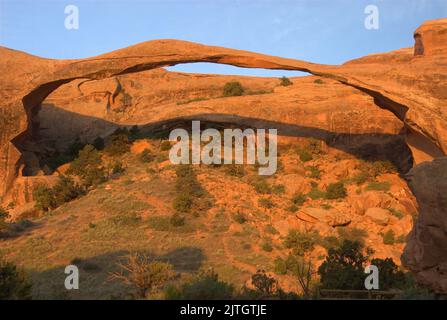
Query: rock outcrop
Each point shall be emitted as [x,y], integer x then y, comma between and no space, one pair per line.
[411,83]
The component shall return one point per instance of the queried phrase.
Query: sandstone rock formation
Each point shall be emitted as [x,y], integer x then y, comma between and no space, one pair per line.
[411,83]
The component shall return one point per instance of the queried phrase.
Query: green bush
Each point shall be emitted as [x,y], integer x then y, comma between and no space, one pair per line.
[301,242]
[233,89]
[390,277]
[165,145]
[267,246]
[270,229]
[205,286]
[118,143]
[318,81]
[240,218]
[177,220]
[316,194]
[14,284]
[266,203]
[389,237]
[261,186]
[146,156]
[378,186]
[315,173]
[343,267]
[298,199]
[305,155]
[280,266]
[183,202]
[88,167]
[235,170]
[352,234]
[64,191]
[397,213]
[284,81]
[278,189]
[336,191]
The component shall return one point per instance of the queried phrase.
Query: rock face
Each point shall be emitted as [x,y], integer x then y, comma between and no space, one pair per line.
[426,250]
[411,83]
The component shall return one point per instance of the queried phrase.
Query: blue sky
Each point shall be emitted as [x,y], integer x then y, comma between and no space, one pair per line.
[324,31]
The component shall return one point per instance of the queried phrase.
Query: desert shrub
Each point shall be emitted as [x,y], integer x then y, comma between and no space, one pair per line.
[165,145]
[298,199]
[143,274]
[264,283]
[376,168]
[271,229]
[301,242]
[183,202]
[3,224]
[126,219]
[177,220]
[266,203]
[305,155]
[233,89]
[116,167]
[278,189]
[343,267]
[261,185]
[146,156]
[352,234]
[14,284]
[336,191]
[235,170]
[360,178]
[64,191]
[58,160]
[390,277]
[397,213]
[318,81]
[239,218]
[205,286]
[279,266]
[316,194]
[330,242]
[284,81]
[267,246]
[292,208]
[389,237]
[88,167]
[99,143]
[74,148]
[118,143]
[190,194]
[314,172]
[378,186]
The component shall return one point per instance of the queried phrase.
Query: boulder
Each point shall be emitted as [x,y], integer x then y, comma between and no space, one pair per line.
[378,215]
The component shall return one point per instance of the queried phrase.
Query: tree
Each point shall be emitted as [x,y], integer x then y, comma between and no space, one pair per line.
[264,283]
[390,277]
[143,274]
[284,81]
[343,267]
[118,144]
[304,271]
[88,166]
[43,195]
[233,89]
[14,284]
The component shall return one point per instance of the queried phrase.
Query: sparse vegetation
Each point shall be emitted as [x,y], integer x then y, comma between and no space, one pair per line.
[378,186]
[88,167]
[301,242]
[285,82]
[143,274]
[14,284]
[266,203]
[233,89]
[50,198]
[118,143]
[336,191]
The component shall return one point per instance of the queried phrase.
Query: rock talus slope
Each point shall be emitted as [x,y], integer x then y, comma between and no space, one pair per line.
[411,83]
